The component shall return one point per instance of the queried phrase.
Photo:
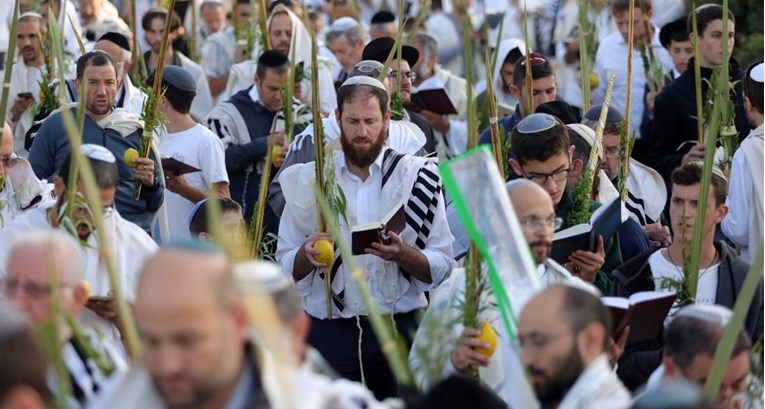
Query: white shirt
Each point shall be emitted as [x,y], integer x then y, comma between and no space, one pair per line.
[663,269]
[363,206]
[200,148]
[612,56]
[24,78]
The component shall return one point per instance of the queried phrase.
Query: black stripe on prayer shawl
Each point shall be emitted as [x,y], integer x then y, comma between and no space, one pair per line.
[337,299]
[216,124]
[394,158]
[637,207]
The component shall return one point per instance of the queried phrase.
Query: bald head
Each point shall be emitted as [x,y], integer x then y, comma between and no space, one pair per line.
[535,211]
[193,328]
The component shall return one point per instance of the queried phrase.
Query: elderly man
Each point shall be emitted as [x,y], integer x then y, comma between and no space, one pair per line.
[346,40]
[536,214]
[130,245]
[563,333]
[383,24]
[375,181]
[286,30]
[37,262]
[20,189]
[128,95]
[153,23]
[99,17]
[27,73]
[115,129]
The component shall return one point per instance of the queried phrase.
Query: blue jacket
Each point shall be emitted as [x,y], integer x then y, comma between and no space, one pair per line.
[51,147]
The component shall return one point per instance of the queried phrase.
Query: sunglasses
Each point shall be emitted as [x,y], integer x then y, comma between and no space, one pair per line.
[536,123]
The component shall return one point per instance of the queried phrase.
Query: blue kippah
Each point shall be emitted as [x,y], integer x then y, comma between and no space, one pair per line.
[179,78]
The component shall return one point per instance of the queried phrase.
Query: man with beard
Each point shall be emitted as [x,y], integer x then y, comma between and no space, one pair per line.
[128,95]
[538,221]
[115,129]
[26,75]
[153,23]
[287,31]
[563,333]
[375,182]
[378,50]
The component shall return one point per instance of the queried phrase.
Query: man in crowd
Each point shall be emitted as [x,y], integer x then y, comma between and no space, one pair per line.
[194,331]
[721,270]
[415,261]
[451,129]
[153,23]
[217,46]
[612,53]
[36,262]
[543,154]
[346,40]
[563,333]
[379,50]
[213,16]
[128,95]
[690,342]
[544,89]
[383,24]
[536,214]
[28,72]
[191,143]
[129,245]
[99,17]
[245,123]
[510,51]
[646,192]
[744,221]
[20,189]
[675,112]
[230,218]
[117,130]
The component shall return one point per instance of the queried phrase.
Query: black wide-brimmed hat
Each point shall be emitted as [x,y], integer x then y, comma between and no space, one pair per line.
[379,49]
[666,32]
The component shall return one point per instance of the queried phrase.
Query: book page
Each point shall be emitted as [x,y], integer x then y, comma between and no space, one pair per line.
[645,296]
[616,302]
[572,231]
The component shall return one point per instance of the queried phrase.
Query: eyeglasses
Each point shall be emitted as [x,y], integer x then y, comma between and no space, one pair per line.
[10,161]
[534,60]
[537,223]
[32,290]
[541,178]
[411,75]
[536,123]
[612,152]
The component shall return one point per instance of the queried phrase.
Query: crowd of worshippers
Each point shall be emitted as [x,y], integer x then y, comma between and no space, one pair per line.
[199,311]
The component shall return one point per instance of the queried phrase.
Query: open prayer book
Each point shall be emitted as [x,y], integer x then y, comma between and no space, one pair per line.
[603,222]
[363,235]
[643,312]
[433,99]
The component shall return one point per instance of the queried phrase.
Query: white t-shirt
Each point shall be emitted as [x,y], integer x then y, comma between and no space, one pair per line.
[662,268]
[200,148]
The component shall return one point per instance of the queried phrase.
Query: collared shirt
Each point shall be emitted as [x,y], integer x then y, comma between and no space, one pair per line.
[363,206]
[612,56]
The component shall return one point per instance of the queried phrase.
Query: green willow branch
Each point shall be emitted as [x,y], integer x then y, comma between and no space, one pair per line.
[8,70]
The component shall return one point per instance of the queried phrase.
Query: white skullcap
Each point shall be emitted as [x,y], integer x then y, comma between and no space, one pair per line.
[715,169]
[342,24]
[31,14]
[362,80]
[262,276]
[712,313]
[758,73]
[588,135]
[97,152]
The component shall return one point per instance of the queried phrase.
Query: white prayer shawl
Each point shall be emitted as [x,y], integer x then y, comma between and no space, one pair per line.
[752,147]
[403,136]
[243,74]
[134,97]
[505,373]
[646,193]
[597,387]
[21,190]
[502,94]
[297,183]
[23,79]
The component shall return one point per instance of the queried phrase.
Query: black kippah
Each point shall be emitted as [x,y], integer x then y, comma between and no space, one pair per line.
[383,16]
[116,38]
[272,59]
